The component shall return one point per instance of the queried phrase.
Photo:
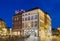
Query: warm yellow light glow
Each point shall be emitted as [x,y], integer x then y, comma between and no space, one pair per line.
[46,26]
[41,12]
[58,29]
[14,33]
[4,31]
[18,33]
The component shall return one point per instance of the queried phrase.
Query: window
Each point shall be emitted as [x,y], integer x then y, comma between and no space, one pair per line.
[28,13]
[22,24]
[31,17]
[36,16]
[28,17]
[41,24]
[36,23]
[15,18]
[41,17]
[25,14]
[31,24]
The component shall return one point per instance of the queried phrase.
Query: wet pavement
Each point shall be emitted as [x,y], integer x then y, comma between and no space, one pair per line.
[31,38]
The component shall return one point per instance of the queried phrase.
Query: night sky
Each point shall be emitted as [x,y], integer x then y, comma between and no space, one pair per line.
[8,8]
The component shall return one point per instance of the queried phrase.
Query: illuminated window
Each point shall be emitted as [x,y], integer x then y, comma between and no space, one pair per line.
[15,18]
[41,18]
[41,24]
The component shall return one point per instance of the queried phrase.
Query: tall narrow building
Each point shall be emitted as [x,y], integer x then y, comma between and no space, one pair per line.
[17,22]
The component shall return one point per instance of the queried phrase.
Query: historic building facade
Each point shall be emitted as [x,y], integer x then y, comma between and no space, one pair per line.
[37,22]
[33,22]
[2,23]
[30,22]
[17,22]
[3,30]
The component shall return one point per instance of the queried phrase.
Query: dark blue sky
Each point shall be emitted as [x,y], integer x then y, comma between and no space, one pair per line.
[8,7]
